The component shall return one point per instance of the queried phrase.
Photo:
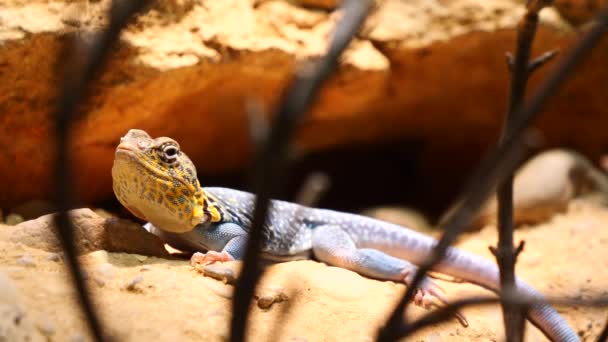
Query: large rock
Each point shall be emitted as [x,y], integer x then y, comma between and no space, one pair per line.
[91,233]
[428,71]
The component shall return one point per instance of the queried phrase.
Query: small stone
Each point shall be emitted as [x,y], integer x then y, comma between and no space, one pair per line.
[270,296]
[132,285]
[56,257]
[219,272]
[26,260]
[13,219]
[145,268]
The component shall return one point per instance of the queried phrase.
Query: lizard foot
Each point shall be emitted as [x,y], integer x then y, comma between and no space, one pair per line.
[429,295]
[199,258]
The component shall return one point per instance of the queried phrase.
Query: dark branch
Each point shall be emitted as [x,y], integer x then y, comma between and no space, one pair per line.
[499,163]
[541,60]
[447,312]
[505,253]
[86,63]
[270,162]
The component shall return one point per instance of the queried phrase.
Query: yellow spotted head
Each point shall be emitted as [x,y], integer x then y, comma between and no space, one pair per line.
[157,182]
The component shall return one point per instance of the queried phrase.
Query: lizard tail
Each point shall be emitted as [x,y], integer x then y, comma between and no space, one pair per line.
[415,247]
[482,272]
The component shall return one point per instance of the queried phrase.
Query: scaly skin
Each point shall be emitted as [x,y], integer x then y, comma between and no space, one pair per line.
[157,183]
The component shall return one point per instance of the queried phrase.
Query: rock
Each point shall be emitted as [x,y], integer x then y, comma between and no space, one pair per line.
[33,209]
[546,184]
[403,216]
[13,219]
[140,258]
[402,61]
[92,233]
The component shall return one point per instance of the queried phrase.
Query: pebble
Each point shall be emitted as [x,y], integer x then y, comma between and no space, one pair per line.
[131,285]
[13,219]
[269,296]
[26,260]
[56,257]
[219,272]
[145,268]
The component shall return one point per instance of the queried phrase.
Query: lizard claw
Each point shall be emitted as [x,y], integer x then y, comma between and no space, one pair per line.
[429,294]
[210,257]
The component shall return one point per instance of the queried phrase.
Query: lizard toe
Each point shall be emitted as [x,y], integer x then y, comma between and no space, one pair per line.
[199,258]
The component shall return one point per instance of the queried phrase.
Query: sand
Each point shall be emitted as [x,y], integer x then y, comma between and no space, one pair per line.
[147,298]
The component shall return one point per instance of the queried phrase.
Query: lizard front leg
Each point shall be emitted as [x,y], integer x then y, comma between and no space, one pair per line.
[224,242]
[234,250]
[333,245]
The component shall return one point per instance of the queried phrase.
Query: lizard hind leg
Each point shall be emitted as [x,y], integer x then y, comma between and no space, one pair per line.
[333,245]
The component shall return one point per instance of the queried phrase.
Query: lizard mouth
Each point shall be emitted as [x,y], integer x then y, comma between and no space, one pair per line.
[125,151]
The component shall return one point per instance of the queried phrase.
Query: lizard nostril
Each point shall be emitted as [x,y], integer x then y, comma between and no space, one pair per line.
[142,144]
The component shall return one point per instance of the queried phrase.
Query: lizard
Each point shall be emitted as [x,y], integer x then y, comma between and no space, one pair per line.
[157,182]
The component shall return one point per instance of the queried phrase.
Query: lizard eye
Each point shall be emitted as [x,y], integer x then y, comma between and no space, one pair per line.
[170,153]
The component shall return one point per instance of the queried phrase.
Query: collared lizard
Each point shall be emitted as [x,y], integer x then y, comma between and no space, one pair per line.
[157,182]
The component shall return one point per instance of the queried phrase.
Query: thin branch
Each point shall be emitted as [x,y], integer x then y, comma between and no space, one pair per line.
[541,60]
[86,62]
[506,255]
[504,158]
[447,312]
[270,162]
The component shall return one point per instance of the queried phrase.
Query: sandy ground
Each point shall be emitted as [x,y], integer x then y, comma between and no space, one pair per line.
[171,301]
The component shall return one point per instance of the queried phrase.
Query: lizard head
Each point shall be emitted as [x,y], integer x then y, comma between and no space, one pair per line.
[157,182]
